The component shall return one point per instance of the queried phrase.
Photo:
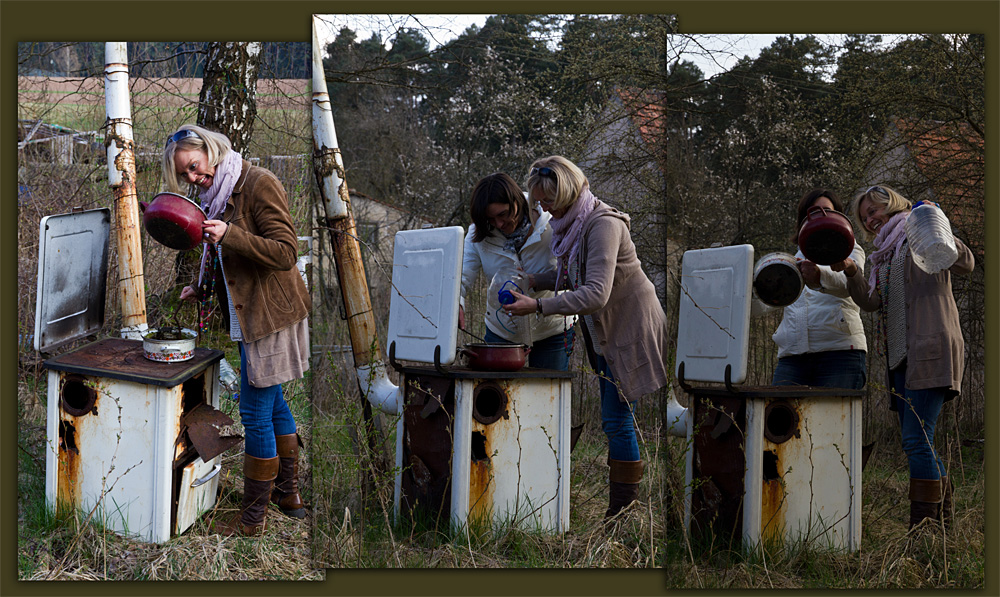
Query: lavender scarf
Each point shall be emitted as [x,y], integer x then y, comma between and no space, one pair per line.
[567,231]
[227,172]
[888,240]
[215,197]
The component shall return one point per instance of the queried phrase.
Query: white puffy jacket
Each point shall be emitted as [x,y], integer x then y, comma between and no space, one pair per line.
[488,256]
[824,319]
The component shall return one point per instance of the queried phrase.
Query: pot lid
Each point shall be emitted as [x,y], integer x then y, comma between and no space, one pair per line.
[713,327]
[426,283]
[72,277]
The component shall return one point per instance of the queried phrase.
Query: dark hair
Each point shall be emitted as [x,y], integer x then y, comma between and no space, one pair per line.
[495,188]
[807,201]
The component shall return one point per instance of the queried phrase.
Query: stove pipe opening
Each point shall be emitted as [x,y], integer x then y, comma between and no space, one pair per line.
[781,422]
[78,398]
[489,403]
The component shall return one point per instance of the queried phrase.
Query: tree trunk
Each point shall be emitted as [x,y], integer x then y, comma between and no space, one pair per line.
[228,99]
[227,104]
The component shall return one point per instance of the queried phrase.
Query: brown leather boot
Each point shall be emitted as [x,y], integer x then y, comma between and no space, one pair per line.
[925,500]
[286,487]
[258,479]
[947,506]
[623,477]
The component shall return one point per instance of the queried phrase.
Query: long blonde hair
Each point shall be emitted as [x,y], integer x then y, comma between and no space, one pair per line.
[215,145]
[879,195]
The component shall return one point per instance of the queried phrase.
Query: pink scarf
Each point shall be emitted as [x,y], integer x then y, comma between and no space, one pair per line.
[888,240]
[215,197]
[567,231]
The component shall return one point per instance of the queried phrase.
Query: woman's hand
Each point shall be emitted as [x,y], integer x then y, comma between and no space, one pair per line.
[188,294]
[810,273]
[848,266]
[214,230]
[524,305]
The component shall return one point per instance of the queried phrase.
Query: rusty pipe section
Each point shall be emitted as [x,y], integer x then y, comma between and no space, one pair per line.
[327,163]
[121,178]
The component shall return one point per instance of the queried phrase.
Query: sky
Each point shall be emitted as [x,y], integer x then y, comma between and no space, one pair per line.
[441,28]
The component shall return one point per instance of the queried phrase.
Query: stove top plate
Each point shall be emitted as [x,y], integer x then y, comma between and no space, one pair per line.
[123,359]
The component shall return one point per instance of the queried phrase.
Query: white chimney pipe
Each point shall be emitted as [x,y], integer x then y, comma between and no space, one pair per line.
[373,379]
[121,178]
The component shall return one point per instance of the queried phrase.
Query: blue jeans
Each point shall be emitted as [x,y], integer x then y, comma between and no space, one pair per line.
[831,369]
[918,413]
[616,417]
[547,353]
[264,414]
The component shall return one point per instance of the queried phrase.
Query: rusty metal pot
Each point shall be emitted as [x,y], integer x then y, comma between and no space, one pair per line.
[495,356]
[776,279]
[173,220]
[168,345]
[826,236]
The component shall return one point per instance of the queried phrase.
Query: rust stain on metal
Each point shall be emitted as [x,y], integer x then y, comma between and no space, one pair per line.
[719,463]
[480,481]
[325,161]
[354,289]
[68,476]
[204,428]
[772,523]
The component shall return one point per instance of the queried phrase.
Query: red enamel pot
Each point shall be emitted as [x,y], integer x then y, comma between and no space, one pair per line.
[173,220]
[826,236]
[496,357]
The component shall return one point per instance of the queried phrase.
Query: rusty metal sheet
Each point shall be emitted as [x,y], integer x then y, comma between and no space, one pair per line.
[119,358]
[72,277]
[204,428]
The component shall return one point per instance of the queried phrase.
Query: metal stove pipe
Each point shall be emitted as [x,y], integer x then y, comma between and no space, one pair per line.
[329,168]
[677,416]
[121,178]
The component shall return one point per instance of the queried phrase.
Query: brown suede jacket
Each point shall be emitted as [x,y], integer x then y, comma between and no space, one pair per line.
[259,251]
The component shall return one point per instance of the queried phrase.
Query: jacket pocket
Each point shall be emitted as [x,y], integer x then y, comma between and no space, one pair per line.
[277,294]
[267,346]
[630,353]
[927,347]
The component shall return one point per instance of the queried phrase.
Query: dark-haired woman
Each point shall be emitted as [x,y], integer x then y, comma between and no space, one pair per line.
[506,233]
[249,261]
[821,341]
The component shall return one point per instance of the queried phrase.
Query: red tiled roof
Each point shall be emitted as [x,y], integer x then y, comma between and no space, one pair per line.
[950,156]
[646,110]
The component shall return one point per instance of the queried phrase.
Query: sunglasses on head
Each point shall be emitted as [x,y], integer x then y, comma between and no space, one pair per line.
[877,189]
[544,171]
[181,134]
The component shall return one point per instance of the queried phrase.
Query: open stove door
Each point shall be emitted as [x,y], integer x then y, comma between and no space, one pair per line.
[72,277]
[713,326]
[426,285]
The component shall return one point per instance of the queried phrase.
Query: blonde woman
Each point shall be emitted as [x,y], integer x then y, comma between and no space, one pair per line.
[920,334]
[625,328]
[249,262]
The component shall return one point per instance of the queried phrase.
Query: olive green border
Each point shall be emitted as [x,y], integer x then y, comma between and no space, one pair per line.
[289,21]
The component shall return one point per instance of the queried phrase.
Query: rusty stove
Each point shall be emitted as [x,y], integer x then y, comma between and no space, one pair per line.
[133,443]
[472,447]
[766,464]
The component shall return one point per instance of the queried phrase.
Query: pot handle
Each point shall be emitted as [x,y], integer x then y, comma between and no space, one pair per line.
[142,206]
[468,352]
[169,349]
[816,209]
